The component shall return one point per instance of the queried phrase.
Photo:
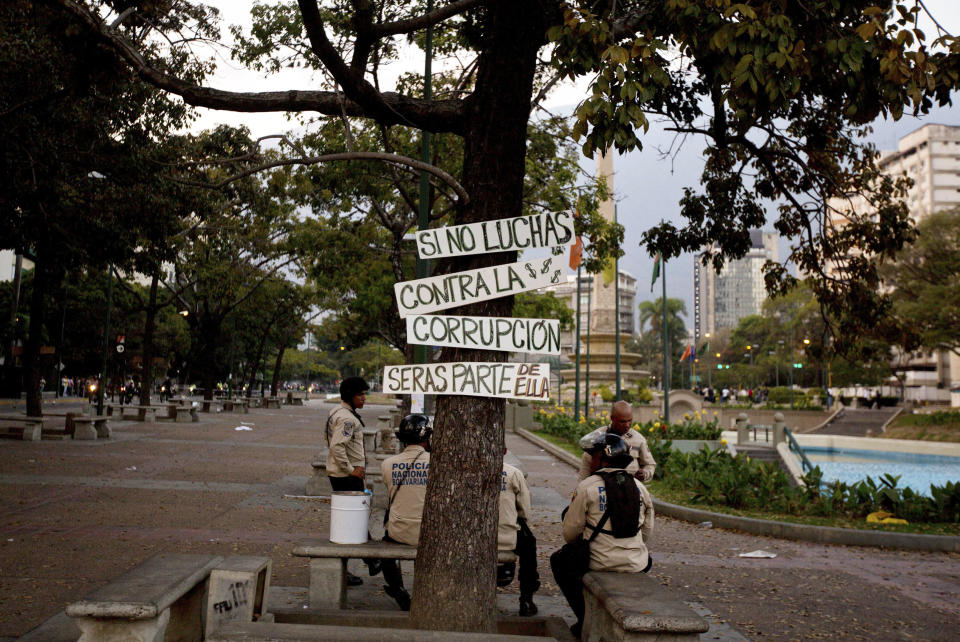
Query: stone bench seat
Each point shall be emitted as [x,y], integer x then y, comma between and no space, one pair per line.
[147,414]
[235,405]
[635,606]
[249,631]
[178,413]
[161,598]
[21,427]
[328,565]
[271,402]
[84,427]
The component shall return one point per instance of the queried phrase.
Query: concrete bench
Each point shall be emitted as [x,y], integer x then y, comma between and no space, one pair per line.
[271,402]
[235,405]
[635,606]
[147,414]
[21,427]
[249,631]
[178,413]
[211,405]
[84,427]
[328,566]
[163,598]
[294,400]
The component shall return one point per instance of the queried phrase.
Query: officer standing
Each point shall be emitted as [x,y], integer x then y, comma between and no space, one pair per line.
[513,534]
[346,459]
[405,476]
[642,465]
[617,512]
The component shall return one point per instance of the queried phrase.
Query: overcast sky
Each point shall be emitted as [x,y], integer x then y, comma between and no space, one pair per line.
[647,188]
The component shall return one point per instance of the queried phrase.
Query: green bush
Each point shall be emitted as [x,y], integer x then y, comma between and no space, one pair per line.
[605,393]
[939,418]
[716,477]
[779,395]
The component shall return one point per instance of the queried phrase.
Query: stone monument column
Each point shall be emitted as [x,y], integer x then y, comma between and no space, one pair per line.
[603,295]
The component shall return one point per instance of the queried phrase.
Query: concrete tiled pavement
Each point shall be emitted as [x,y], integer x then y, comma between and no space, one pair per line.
[76,514]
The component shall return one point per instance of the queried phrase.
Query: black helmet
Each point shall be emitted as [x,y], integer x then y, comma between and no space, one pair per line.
[610,446]
[414,429]
[351,387]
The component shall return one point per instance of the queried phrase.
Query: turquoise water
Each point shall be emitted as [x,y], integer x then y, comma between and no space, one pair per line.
[916,471]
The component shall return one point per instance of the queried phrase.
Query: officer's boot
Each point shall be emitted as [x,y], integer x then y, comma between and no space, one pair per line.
[399,594]
[527,607]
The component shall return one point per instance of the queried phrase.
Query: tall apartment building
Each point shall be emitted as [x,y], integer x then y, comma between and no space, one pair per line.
[721,299]
[568,293]
[930,156]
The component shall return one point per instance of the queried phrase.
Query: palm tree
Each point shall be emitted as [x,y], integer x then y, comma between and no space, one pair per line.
[652,312]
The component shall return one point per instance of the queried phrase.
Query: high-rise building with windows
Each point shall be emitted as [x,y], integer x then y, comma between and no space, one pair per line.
[722,299]
[930,156]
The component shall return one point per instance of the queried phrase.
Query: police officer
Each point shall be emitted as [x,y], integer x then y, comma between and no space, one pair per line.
[405,476]
[345,456]
[346,459]
[513,534]
[642,465]
[614,511]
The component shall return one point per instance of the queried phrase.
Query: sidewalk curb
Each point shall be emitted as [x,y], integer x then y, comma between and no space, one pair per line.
[783,530]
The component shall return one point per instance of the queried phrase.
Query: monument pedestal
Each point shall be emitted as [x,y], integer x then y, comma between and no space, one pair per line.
[603,363]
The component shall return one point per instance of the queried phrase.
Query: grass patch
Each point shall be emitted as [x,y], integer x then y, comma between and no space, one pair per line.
[923,433]
[676,496]
[571,448]
[934,426]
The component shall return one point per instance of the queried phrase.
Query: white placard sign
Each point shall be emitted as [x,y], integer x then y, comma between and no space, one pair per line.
[452,290]
[550,229]
[539,336]
[475,379]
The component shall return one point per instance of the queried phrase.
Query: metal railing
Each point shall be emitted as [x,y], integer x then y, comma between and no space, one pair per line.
[767,430]
[797,450]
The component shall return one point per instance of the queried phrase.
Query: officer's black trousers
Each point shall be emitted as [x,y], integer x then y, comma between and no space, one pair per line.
[391,568]
[526,551]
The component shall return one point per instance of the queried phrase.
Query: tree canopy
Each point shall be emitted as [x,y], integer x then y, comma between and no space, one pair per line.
[779,90]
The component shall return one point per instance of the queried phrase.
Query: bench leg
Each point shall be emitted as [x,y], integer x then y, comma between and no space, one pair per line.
[328,583]
[103,429]
[84,430]
[31,433]
[109,630]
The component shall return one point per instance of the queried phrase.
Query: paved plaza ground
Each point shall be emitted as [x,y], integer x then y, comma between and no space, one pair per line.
[76,514]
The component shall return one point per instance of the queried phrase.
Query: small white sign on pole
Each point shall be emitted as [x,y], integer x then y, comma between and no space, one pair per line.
[435,293]
[475,379]
[417,405]
[538,336]
[550,229]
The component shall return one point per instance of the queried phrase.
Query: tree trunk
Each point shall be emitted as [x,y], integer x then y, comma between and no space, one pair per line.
[457,554]
[31,352]
[149,329]
[276,371]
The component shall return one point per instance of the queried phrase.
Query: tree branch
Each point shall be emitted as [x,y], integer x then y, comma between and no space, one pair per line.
[434,116]
[396,159]
[422,22]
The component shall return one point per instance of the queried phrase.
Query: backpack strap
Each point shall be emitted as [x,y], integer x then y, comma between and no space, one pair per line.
[599,527]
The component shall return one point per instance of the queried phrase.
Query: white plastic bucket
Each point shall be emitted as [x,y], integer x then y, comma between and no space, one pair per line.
[349,516]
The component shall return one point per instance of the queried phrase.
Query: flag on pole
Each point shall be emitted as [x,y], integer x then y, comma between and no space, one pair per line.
[686,354]
[656,271]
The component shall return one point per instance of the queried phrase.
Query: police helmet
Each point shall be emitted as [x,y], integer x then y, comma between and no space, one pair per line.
[414,429]
[351,387]
[610,446]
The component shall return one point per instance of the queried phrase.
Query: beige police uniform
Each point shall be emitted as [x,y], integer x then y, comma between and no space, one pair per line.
[642,457]
[344,441]
[626,555]
[514,504]
[405,476]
